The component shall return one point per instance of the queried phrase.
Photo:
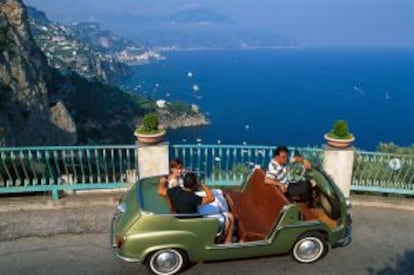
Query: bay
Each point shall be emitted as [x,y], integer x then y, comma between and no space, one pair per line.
[287,96]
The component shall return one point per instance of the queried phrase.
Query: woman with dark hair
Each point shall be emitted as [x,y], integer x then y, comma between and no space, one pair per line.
[174,178]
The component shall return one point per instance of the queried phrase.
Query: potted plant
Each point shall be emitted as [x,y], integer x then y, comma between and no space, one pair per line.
[339,136]
[150,132]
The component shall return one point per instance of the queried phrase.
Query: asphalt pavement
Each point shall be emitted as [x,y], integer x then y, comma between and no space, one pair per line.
[71,236]
[37,215]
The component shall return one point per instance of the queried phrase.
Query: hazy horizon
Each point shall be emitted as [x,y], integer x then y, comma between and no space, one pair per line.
[365,23]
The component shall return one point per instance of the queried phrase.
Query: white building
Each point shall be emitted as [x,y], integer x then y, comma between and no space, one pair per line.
[161,103]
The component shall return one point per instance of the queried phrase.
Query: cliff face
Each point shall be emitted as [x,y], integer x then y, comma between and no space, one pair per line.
[83,48]
[41,106]
[26,117]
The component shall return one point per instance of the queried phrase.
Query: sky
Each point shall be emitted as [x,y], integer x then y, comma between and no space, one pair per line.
[363,23]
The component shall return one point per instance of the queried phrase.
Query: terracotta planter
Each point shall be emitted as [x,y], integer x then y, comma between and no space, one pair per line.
[150,138]
[339,143]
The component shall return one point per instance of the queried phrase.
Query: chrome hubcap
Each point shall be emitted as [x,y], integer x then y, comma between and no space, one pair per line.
[309,249]
[166,262]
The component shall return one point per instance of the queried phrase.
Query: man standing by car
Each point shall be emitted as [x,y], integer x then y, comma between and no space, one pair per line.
[277,175]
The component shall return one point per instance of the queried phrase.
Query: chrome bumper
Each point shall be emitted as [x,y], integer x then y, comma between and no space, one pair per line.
[114,224]
[113,238]
[346,240]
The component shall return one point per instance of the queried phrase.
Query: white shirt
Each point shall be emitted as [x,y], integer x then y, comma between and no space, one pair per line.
[277,172]
[173,182]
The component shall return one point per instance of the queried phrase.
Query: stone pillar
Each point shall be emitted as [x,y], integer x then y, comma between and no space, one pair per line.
[338,163]
[153,160]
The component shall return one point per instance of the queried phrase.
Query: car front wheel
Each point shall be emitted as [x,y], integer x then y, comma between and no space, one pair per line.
[166,262]
[309,248]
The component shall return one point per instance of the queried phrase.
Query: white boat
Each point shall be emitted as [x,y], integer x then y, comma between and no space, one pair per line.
[196,88]
[190,74]
[359,89]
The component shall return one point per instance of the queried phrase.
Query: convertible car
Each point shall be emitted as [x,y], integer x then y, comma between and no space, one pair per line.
[146,230]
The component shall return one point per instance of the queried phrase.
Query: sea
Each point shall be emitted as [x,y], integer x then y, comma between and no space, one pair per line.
[287,96]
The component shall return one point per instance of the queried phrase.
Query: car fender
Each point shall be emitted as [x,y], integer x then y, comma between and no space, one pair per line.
[184,240]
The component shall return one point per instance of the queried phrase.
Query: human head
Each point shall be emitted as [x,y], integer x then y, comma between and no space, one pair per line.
[176,167]
[281,154]
[190,181]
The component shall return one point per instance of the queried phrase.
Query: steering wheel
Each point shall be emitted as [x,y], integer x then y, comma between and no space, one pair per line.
[296,172]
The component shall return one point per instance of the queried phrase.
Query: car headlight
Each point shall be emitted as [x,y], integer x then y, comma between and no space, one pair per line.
[348,203]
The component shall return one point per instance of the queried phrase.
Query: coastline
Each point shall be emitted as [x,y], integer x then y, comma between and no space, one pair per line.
[183,121]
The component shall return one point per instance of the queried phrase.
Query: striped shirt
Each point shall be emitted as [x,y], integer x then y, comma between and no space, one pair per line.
[277,172]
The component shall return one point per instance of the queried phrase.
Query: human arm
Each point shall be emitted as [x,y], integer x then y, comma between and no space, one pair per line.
[163,186]
[282,187]
[209,197]
[302,160]
[276,175]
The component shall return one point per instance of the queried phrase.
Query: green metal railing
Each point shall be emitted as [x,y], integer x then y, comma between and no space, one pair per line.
[229,164]
[53,169]
[30,169]
[383,173]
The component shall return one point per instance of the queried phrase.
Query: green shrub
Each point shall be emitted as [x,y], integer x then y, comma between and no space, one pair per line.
[340,130]
[150,124]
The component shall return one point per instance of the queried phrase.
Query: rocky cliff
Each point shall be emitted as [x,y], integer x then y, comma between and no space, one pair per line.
[27,116]
[40,105]
[83,48]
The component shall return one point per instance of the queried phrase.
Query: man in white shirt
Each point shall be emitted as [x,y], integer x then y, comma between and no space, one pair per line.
[277,175]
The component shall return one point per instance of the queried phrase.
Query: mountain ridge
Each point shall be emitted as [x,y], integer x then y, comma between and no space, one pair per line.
[201,28]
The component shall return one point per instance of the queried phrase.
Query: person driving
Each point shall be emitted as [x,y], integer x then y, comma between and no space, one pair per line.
[277,175]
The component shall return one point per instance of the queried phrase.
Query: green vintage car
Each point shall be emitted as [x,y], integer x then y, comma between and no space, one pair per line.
[145,230]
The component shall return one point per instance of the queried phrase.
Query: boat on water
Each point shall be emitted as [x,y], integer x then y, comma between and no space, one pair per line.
[196,88]
[359,89]
[189,74]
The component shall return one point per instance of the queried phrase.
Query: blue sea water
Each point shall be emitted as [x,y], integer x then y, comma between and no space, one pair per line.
[287,96]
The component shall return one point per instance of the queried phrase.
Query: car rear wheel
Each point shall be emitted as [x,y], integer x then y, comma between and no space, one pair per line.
[166,261]
[309,248]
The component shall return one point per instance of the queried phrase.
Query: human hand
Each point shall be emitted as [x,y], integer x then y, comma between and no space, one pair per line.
[282,188]
[307,164]
[203,186]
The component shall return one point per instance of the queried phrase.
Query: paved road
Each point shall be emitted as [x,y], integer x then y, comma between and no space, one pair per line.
[75,241]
